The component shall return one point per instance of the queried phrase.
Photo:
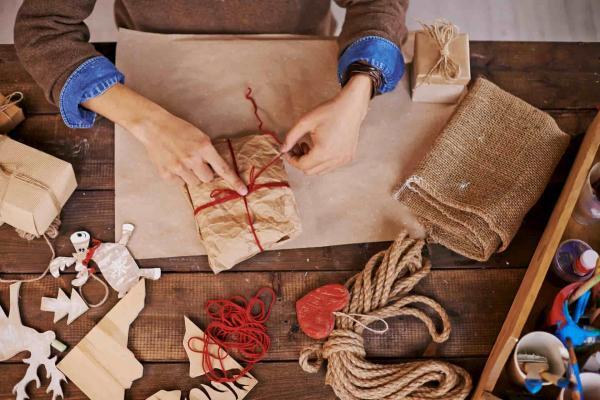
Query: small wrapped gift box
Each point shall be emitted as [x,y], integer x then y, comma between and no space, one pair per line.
[441,66]
[234,228]
[11,114]
[34,186]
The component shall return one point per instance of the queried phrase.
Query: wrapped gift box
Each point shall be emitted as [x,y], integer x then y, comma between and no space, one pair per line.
[234,228]
[11,114]
[428,83]
[34,186]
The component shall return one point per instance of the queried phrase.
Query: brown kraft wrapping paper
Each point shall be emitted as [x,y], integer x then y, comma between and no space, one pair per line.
[224,227]
[435,88]
[485,171]
[206,87]
[34,186]
[11,114]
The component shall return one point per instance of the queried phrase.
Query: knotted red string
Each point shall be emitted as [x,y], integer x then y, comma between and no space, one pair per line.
[224,195]
[236,324]
[90,254]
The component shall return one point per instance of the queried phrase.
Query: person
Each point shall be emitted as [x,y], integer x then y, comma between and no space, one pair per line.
[51,40]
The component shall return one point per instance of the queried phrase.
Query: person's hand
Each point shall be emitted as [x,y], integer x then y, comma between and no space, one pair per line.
[180,151]
[333,129]
[183,152]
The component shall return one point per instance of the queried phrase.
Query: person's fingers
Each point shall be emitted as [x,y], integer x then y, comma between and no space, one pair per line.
[307,161]
[225,171]
[204,172]
[201,169]
[168,176]
[304,125]
[187,175]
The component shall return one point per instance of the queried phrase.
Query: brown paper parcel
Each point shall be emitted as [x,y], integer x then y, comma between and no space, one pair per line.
[11,114]
[224,228]
[435,88]
[289,75]
[34,186]
[488,167]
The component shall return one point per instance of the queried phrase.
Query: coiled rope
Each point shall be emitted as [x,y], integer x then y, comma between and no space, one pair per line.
[381,290]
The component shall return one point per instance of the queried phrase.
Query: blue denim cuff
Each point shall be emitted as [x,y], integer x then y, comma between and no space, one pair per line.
[92,78]
[379,53]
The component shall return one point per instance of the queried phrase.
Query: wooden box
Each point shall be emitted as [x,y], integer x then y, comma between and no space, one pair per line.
[560,226]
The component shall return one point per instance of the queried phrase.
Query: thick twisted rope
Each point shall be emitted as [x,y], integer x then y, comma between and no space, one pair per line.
[381,290]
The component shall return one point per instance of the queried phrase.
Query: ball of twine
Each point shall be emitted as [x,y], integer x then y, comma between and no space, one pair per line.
[381,291]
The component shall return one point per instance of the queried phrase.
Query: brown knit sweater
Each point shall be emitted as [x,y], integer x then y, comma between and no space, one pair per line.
[52,40]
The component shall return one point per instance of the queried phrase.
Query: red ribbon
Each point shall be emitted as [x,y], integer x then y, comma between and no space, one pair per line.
[90,254]
[236,324]
[221,196]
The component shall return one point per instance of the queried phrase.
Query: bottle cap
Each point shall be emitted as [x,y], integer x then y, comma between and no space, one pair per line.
[586,262]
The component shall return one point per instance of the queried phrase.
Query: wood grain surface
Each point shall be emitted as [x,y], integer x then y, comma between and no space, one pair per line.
[561,78]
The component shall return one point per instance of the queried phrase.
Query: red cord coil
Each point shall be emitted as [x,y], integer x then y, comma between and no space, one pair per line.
[236,325]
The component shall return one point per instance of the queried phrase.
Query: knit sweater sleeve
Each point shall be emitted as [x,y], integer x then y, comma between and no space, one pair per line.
[381,18]
[51,40]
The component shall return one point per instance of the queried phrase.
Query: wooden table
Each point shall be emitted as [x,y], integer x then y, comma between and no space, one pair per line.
[563,79]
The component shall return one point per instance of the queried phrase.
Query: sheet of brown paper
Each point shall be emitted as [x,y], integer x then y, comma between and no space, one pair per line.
[203,79]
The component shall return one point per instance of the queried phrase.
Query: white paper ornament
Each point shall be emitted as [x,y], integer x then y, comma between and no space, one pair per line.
[62,306]
[112,259]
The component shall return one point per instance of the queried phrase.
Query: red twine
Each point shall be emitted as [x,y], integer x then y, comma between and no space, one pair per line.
[236,324]
[90,254]
[224,195]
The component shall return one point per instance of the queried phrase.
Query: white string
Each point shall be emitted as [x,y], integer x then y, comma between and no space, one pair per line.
[372,317]
[11,100]
[106,292]
[42,275]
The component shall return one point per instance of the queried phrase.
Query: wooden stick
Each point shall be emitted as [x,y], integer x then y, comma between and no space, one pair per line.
[575,395]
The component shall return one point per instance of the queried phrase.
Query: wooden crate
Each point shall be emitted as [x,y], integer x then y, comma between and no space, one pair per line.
[557,229]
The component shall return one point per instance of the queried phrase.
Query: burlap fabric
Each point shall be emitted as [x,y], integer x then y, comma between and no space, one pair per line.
[487,168]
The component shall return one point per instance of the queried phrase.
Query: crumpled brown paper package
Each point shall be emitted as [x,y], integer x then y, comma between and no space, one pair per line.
[224,228]
[34,186]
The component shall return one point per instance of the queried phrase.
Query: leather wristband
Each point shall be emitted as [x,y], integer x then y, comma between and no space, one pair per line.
[361,67]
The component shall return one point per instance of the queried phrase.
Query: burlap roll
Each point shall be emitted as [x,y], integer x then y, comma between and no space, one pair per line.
[487,168]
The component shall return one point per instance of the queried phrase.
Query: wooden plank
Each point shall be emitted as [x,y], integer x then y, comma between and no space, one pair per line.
[569,77]
[530,56]
[548,89]
[91,151]
[536,273]
[277,380]
[94,211]
[476,301]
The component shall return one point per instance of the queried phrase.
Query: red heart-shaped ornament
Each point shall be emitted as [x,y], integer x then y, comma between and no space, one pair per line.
[315,310]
